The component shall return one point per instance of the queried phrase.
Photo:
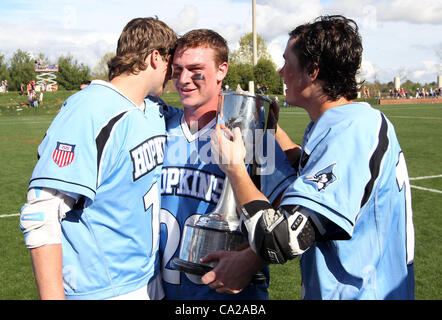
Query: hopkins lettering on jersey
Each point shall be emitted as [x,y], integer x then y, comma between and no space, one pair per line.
[323,178]
[193,183]
[147,155]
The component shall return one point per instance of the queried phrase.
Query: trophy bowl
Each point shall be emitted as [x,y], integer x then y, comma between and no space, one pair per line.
[219,230]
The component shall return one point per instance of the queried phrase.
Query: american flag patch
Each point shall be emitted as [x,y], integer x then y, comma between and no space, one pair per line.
[63,154]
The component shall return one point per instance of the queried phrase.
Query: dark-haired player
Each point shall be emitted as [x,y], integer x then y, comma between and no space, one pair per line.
[191,181]
[348,214]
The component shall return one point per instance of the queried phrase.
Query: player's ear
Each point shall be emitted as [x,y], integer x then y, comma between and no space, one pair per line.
[153,59]
[314,73]
[222,71]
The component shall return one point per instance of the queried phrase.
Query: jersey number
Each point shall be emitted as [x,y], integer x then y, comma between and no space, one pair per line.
[172,244]
[404,182]
[151,199]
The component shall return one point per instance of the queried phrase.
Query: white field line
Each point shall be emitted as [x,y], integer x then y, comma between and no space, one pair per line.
[9,215]
[426,177]
[411,179]
[421,118]
[426,189]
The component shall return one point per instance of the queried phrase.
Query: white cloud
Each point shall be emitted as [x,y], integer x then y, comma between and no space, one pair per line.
[85,47]
[277,50]
[396,35]
[425,71]
[276,18]
[186,19]
[279,17]
[390,30]
[231,34]
[411,11]
[367,71]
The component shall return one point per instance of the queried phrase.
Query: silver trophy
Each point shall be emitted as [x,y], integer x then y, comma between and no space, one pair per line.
[219,230]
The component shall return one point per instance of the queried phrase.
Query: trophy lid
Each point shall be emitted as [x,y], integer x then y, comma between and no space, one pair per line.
[244,93]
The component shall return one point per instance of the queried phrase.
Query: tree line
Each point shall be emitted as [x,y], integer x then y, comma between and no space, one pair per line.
[20,70]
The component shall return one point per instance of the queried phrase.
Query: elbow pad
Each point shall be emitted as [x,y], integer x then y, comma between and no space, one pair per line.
[277,235]
[41,216]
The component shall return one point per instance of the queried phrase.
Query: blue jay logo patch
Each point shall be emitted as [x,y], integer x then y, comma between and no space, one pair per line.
[323,178]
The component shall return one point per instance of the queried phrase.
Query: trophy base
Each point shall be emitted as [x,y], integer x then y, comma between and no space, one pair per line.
[190,267]
[208,234]
[200,270]
[198,241]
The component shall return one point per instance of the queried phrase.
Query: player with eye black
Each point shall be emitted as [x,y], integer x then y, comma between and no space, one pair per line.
[348,214]
[191,182]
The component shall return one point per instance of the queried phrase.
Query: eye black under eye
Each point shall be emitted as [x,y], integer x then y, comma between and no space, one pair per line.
[198,76]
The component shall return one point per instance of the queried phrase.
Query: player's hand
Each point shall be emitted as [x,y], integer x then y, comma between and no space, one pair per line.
[218,277]
[272,122]
[234,270]
[228,148]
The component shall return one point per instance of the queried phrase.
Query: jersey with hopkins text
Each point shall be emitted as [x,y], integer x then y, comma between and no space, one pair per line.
[109,152]
[191,186]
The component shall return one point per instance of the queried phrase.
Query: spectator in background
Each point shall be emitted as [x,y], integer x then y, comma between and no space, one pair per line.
[40,97]
[402,94]
[34,101]
[30,97]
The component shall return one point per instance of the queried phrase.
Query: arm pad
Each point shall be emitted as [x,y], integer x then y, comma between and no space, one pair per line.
[40,217]
[277,235]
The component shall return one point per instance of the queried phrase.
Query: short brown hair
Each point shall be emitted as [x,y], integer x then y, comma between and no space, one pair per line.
[206,38]
[139,38]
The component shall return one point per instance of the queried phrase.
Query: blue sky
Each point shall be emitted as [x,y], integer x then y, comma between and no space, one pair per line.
[400,37]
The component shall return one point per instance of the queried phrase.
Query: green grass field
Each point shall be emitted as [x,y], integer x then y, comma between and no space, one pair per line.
[419,128]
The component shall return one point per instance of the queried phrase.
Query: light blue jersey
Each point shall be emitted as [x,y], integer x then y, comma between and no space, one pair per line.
[353,173]
[191,187]
[108,151]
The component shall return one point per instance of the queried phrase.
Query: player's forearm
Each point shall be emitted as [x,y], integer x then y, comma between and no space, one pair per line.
[291,149]
[243,187]
[47,264]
